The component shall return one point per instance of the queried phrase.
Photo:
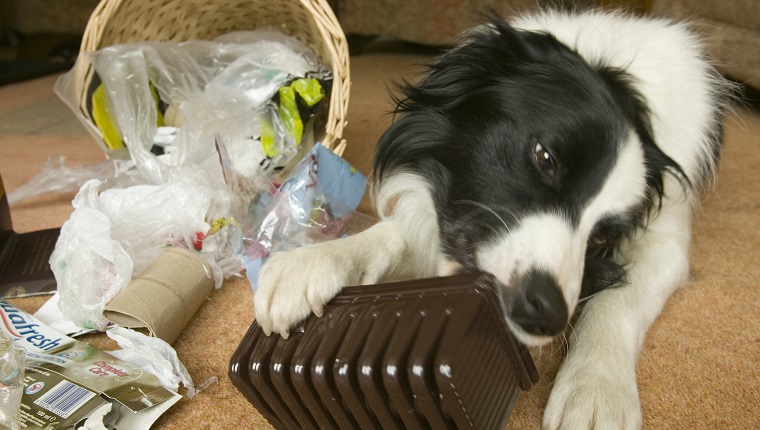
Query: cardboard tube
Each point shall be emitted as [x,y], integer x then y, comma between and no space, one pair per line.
[164,298]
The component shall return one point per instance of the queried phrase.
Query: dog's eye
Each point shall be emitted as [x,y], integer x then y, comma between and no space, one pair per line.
[545,160]
[599,239]
[597,244]
[602,243]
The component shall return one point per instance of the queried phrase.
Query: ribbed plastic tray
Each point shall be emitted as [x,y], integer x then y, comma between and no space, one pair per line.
[424,354]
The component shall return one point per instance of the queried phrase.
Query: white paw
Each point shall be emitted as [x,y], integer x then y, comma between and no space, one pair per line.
[296,283]
[592,394]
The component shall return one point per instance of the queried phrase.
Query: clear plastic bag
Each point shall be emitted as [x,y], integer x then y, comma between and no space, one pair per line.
[12,361]
[116,233]
[156,357]
[316,203]
[90,267]
[57,177]
[209,86]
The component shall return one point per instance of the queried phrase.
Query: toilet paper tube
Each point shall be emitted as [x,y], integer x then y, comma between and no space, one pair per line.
[164,298]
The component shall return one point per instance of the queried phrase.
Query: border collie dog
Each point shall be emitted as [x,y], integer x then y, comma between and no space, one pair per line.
[563,153]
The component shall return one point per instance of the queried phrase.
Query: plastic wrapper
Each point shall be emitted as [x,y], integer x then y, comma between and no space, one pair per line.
[156,357]
[116,233]
[11,382]
[57,177]
[315,203]
[89,266]
[202,87]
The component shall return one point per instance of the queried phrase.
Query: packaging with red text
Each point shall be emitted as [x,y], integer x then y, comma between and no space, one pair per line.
[66,380]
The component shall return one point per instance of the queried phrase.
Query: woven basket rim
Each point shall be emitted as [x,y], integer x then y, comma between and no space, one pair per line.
[331,38]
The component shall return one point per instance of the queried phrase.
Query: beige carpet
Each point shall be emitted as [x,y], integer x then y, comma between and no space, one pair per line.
[700,367]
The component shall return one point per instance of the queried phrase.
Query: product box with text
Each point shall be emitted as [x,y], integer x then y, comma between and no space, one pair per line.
[66,380]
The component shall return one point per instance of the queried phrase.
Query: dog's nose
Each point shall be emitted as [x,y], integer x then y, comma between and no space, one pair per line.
[539,308]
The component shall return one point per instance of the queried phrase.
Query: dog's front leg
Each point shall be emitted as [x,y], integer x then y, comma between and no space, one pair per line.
[404,244]
[295,283]
[596,385]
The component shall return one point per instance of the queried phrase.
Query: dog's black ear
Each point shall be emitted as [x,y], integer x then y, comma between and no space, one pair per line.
[412,142]
[636,111]
[489,54]
[518,45]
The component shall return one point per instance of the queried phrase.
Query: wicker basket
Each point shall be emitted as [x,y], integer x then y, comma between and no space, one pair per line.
[311,21]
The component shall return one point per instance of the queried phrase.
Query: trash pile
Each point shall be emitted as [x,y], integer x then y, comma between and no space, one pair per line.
[188,116]
[213,149]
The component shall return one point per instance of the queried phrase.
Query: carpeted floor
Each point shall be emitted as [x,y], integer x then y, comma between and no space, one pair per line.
[700,367]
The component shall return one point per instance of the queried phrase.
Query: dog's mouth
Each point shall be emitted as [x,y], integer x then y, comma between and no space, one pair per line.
[532,304]
[534,309]
[528,339]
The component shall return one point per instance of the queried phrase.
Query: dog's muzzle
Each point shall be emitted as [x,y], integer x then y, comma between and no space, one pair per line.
[538,305]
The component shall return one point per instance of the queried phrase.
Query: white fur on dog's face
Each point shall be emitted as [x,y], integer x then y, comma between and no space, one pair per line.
[549,242]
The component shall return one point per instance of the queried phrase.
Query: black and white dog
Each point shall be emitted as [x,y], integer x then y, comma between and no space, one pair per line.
[562,153]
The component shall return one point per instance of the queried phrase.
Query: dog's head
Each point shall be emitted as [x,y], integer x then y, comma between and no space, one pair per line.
[541,167]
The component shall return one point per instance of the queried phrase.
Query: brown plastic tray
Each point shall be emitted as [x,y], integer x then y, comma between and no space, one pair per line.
[424,354]
[24,267]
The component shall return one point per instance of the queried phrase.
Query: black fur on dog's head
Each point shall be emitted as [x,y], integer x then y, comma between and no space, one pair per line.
[513,125]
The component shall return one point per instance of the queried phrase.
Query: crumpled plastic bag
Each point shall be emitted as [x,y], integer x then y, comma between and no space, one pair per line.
[90,267]
[115,234]
[316,203]
[226,84]
[57,176]
[12,361]
[156,357]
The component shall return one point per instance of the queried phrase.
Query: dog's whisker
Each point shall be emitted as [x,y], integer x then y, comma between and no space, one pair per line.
[557,345]
[488,226]
[488,209]
[564,335]
[503,208]
[464,219]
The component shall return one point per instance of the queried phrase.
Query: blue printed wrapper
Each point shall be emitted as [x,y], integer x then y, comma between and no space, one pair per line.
[317,202]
